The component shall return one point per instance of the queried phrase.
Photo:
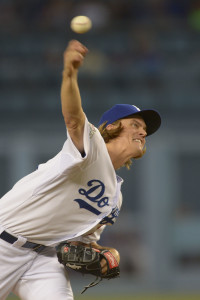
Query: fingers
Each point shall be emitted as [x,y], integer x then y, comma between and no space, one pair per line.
[104,267]
[75,45]
[74,56]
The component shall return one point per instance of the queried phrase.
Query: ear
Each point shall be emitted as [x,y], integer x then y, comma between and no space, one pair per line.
[110,126]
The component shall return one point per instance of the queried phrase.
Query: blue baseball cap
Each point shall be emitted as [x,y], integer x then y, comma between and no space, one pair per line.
[121,111]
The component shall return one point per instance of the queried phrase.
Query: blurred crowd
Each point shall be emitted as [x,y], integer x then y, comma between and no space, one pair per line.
[151,44]
[140,29]
[20,16]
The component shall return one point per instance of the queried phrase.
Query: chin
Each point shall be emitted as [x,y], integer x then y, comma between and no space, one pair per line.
[139,154]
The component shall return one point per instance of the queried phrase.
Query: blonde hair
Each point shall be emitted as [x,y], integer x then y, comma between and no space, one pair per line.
[114,133]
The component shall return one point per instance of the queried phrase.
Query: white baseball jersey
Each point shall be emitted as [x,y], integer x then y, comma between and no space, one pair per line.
[65,197]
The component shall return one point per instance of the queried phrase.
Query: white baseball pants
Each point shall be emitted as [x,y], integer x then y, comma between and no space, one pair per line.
[31,275]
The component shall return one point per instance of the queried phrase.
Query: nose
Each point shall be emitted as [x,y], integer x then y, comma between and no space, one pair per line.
[143,132]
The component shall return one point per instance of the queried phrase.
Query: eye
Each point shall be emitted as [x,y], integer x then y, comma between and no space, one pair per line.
[135,125]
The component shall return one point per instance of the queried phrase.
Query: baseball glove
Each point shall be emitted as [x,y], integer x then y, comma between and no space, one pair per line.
[86,260]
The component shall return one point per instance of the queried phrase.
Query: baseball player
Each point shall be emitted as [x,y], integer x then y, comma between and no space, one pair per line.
[73,196]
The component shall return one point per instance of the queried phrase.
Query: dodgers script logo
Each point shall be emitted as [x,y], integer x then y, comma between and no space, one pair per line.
[111,218]
[95,194]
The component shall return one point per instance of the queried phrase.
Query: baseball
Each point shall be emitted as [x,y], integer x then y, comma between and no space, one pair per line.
[81,24]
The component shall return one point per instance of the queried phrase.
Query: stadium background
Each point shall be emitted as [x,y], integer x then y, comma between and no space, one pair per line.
[144,52]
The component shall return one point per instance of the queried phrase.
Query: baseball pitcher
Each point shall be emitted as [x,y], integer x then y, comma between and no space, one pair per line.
[52,219]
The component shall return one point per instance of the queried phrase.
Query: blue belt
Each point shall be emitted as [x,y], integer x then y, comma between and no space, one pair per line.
[28,245]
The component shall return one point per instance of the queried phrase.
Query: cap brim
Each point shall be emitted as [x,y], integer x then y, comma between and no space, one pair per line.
[151,118]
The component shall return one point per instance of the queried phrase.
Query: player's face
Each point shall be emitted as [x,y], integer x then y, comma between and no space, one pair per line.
[133,135]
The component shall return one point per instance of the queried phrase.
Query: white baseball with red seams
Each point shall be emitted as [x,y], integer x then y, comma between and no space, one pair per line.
[81,24]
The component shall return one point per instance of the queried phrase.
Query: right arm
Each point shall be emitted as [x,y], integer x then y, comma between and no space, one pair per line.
[70,96]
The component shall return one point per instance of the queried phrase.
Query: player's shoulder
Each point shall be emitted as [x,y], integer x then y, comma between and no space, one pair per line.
[95,136]
[92,130]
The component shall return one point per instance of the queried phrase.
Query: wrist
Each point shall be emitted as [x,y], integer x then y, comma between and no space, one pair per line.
[69,72]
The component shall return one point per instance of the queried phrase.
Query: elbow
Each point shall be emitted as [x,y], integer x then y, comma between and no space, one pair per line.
[70,122]
[74,121]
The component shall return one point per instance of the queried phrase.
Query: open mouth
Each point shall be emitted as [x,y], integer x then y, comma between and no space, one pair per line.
[138,141]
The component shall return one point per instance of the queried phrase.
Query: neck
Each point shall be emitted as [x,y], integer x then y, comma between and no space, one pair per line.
[117,155]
